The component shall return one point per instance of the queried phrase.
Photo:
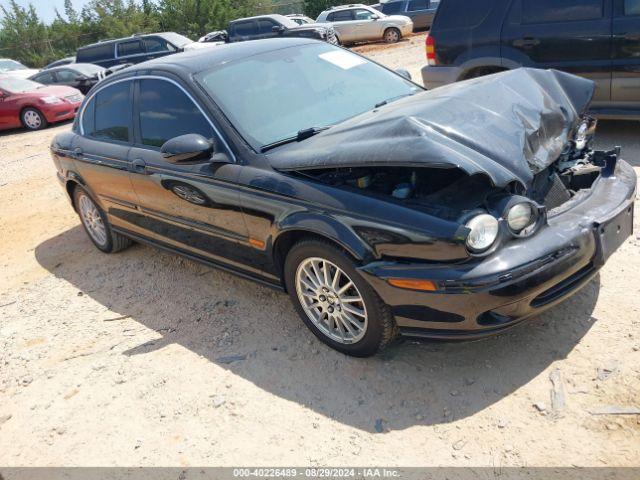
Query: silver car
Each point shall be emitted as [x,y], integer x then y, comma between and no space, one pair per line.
[361,23]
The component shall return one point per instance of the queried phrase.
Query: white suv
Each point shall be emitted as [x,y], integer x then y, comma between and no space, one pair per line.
[361,23]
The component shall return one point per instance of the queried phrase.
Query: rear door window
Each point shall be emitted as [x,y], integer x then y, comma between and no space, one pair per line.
[551,11]
[46,78]
[167,112]
[113,113]
[95,53]
[416,5]
[245,28]
[341,16]
[132,47]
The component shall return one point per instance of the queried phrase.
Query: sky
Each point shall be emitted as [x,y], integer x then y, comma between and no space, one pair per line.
[46,8]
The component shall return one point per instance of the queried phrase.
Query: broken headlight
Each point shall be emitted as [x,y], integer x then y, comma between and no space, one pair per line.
[585,132]
[484,231]
[520,216]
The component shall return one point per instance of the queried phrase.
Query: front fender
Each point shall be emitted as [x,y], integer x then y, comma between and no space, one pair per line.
[325,226]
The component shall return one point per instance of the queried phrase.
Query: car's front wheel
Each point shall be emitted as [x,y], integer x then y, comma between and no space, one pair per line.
[335,302]
[392,35]
[33,119]
[96,224]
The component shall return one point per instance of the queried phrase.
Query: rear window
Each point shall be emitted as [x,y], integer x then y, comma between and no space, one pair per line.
[462,13]
[95,53]
[549,11]
[391,8]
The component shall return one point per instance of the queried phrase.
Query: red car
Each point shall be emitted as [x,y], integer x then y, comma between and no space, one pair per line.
[28,104]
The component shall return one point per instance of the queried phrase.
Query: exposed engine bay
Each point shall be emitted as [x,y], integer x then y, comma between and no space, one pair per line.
[449,193]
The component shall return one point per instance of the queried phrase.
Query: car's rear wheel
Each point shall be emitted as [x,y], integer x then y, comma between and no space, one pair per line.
[392,35]
[96,225]
[33,119]
[335,302]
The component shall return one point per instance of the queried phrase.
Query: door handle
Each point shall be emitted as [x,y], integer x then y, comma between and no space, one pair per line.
[77,152]
[526,42]
[139,166]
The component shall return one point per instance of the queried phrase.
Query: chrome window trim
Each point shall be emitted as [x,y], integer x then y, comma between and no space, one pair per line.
[154,77]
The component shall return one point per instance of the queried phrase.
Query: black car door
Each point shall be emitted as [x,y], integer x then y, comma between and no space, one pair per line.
[194,206]
[569,35]
[101,150]
[625,87]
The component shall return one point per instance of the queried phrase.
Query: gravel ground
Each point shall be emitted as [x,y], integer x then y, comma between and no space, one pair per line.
[145,358]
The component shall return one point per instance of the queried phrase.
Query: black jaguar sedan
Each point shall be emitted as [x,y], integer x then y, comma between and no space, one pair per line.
[378,206]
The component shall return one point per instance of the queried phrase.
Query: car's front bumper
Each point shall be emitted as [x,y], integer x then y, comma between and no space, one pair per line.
[523,278]
[60,112]
[435,76]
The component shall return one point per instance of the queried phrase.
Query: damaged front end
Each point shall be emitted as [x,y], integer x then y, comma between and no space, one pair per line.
[504,168]
[495,155]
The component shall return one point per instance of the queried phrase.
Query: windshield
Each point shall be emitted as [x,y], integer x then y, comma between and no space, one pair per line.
[18,85]
[176,39]
[87,69]
[313,85]
[8,65]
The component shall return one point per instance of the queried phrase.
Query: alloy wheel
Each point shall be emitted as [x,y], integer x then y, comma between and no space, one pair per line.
[331,300]
[92,220]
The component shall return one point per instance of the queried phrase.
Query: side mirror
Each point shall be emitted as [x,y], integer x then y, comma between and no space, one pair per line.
[187,148]
[79,78]
[277,29]
[374,17]
[403,72]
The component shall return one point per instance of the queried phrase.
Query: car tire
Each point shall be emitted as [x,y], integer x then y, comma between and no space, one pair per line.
[392,35]
[33,119]
[96,225]
[350,319]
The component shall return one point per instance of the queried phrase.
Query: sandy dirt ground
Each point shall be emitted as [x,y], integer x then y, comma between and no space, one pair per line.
[145,358]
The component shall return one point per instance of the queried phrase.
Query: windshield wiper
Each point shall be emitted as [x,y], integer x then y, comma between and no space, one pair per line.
[300,136]
[393,99]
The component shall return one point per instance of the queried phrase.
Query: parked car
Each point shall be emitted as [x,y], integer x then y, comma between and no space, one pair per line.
[596,39]
[271,26]
[15,69]
[82,76]
[421,12]
[300,19]
[134,49]
[62,61]
[378,206]
[360,23]
[24,103]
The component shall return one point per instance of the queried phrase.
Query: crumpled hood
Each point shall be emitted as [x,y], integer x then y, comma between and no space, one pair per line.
[508,126]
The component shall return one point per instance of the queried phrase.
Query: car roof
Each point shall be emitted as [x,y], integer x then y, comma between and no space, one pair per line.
[72,66]
[274,16]
[193,61]
[131,37]
[346,7]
